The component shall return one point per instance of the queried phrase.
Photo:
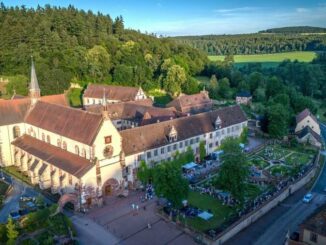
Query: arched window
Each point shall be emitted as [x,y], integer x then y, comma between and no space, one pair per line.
[43,136]
[76,149]
[16,132]
[58,142]
[64,145]
[83,153]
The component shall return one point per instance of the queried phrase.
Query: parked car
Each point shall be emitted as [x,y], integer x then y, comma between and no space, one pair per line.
[307,198]
[15,215]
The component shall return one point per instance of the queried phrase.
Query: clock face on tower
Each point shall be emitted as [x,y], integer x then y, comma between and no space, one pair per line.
[108,151]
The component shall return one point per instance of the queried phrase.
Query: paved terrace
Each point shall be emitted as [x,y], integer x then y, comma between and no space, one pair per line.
[130,226]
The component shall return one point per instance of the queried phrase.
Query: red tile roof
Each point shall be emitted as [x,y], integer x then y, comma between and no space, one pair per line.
[302,115]
[316,222]
[192,103]
[58,99]
[72,123]
[155,135]
[112,92]
[68,162]
[13,111]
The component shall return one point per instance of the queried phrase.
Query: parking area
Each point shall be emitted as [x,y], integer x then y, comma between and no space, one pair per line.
[134,221]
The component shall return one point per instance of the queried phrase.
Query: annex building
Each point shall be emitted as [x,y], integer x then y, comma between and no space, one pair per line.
[87,154]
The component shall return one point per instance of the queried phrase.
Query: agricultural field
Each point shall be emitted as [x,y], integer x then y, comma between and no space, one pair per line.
[269,59]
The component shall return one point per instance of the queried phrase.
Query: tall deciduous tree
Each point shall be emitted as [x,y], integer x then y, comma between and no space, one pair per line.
[234,170]
[277,120]
[175,77]
[169,183]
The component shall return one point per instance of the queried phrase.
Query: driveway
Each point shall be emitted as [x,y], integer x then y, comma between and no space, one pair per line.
[11,203]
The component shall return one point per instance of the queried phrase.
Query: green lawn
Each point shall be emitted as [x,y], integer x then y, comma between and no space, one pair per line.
[297,159]
[205,202]
[75,97]
[258,162]
[279,169]
[304,56]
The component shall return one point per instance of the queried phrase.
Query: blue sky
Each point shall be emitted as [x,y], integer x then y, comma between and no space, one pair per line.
[197,17]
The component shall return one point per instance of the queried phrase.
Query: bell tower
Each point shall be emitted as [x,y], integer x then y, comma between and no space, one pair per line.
[34,89]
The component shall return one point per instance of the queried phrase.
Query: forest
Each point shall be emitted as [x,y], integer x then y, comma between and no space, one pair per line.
[295,29]
[71,45]
[258,43]
[279,93]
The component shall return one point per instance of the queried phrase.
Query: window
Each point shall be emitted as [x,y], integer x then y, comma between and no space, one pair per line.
[210,145]
[149,154]
[197,139]
[210,135]
[228,130]
[191,141]
[155,152]
[43,136]
[180,144]
[58,142]
[174,146]
[76,149]
[16,132]
[313,237]
[186,143]
[169,148]
[217,133]
[48,139]
[64,145]
[216,143]
[162,150]
[138,157]
[223,132]
[108,139]
[83,153]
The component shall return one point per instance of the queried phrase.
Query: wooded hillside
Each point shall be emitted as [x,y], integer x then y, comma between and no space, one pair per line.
[296,29]
[255,43]
[73,45]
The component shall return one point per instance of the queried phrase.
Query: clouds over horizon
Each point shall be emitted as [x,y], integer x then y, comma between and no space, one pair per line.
[240,20]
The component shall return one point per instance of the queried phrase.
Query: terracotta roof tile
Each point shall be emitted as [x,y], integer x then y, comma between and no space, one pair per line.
[192,103]
[302,115]
[13,111]
[72,123]
[56,156]
[58,99]
[155,135]
[112,92]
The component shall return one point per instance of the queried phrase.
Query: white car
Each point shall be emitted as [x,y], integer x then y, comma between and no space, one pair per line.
[307,198]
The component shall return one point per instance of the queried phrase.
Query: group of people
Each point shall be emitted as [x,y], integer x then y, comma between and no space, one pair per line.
[200,172]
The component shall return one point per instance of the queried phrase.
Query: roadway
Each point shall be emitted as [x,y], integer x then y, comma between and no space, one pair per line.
[272,228]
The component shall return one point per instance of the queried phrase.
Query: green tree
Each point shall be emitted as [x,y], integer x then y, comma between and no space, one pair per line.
[202,150]
[175,78]
[234,171]
[277,116]
[244,135]
[99,62]
[144,173]
[169,183]
[12,233]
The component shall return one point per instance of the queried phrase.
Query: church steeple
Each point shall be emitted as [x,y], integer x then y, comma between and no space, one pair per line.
[34,89]
[105,112]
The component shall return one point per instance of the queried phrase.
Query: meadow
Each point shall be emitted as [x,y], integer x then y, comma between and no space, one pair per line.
[271,59]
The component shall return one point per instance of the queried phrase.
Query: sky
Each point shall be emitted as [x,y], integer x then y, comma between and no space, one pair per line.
[199,17]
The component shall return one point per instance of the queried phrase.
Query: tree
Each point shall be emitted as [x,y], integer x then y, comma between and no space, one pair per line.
[234,171]
[144,173]
[244,135]
[202,150]
[98,60]
[169,183]
[277,117]
[12,233]
[213,87]
[118,25]
[175,78]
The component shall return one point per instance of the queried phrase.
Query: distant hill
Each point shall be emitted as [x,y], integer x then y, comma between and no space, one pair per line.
[295,29]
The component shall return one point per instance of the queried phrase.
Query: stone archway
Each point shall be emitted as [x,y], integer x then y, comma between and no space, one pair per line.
[68,198]
[111,187]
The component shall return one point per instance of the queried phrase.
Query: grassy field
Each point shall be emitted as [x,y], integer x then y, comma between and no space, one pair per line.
[269,58]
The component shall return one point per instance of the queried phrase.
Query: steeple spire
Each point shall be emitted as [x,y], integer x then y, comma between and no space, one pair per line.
[105,112]
[34,89]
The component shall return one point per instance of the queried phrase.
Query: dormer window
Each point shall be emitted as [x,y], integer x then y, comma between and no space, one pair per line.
[173,134]
[218,123]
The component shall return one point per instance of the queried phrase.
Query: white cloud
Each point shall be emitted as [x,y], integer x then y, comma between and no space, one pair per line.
[302,10]
[235,10]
